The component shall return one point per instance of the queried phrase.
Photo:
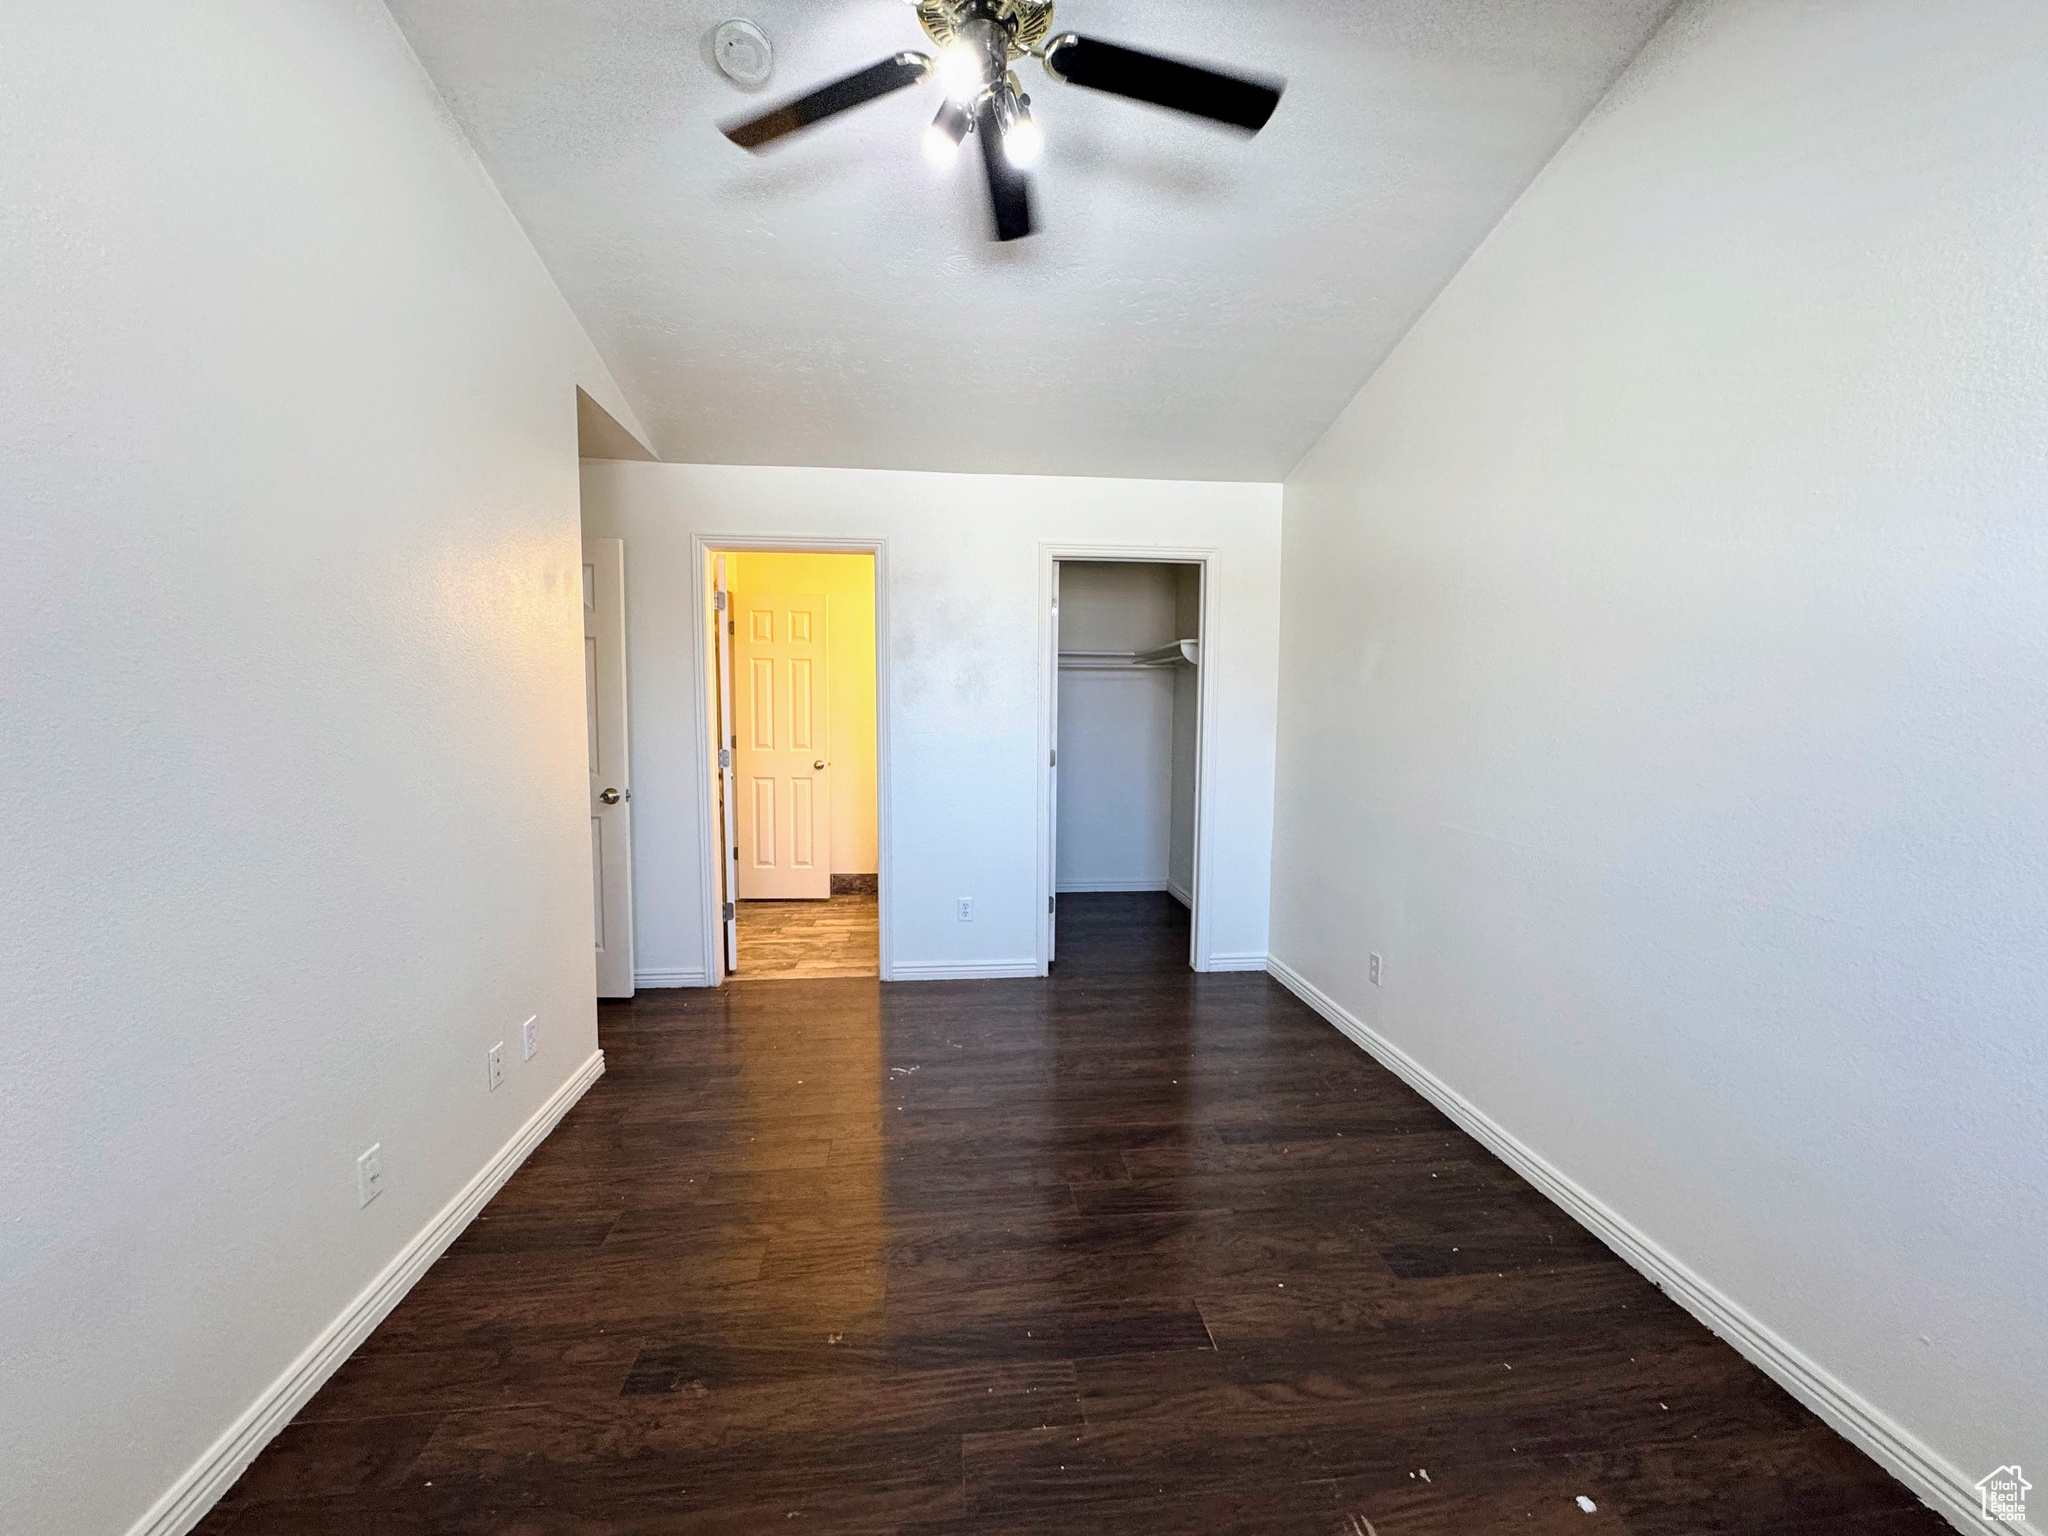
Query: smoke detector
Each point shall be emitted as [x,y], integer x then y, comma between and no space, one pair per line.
[742,51]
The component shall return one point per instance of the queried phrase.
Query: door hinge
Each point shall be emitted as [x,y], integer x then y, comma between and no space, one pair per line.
[729,914]
[725,757]
[1049,908]
[718,601]
[1053,758]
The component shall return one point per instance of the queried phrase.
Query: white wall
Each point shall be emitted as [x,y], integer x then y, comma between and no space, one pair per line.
[1665,689]
[1180,830]
[1116,779]
[963,573]
[294,821]
[1117,605]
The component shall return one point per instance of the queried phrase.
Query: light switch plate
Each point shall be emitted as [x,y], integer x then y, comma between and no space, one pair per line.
[370,1174]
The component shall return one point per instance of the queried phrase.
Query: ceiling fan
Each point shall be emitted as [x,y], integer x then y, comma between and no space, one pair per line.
[977,39]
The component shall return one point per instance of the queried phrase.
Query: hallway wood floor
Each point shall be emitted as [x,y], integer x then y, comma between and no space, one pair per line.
[1126,1250]
[810,940]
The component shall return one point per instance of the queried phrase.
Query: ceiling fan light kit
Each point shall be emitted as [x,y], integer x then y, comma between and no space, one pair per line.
[977,40]
[948,131]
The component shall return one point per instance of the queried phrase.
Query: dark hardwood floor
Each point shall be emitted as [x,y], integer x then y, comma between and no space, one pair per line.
[1127,1250]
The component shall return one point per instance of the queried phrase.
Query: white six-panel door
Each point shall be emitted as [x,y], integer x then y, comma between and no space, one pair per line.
[782,761]
[611,791]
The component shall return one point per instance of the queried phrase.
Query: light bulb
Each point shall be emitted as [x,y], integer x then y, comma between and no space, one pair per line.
[942,139]
[1022,142]
[939,149]
[961,71]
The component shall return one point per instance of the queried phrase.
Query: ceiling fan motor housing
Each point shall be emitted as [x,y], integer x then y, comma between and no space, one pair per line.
[1027,21]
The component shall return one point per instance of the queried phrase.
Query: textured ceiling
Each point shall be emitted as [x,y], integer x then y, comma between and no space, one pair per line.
[1196,305]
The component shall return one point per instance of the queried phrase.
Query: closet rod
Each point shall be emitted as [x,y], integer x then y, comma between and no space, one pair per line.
[1180,652]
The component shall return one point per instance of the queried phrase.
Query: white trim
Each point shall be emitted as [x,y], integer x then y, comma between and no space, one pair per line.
[701,546]
[1237,962]
[1939,1485]
[966,970]
[658,980]
[1186,898]
[1201,557]
[199,1488]
[1114,885]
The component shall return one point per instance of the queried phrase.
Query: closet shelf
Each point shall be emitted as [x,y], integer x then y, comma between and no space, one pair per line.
[1179,653]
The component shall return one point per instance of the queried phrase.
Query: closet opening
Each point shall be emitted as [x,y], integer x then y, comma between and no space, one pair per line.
[1125,763]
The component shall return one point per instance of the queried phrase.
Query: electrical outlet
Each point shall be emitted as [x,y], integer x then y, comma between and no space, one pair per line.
[370,1175]
[494,1065]
[529,1038]
[1372,968]
[966,909]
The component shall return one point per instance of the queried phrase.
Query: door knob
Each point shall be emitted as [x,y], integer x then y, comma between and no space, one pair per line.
[820,763]
[611,797]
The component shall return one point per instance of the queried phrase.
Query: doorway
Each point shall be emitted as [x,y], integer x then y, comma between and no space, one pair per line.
[792,698]
[1125,764]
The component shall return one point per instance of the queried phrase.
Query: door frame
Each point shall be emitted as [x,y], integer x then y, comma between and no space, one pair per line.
[608,568]
[702,546]
[1049,555]
[724,810]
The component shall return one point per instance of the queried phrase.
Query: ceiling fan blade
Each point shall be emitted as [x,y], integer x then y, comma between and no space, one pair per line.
[1121,71]
[855,90]
[1009,189]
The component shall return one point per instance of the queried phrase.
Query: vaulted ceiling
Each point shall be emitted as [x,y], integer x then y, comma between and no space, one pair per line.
[1196,306]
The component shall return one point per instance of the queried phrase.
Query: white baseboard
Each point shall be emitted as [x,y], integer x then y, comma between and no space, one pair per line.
[1186,898]
[658,980]
[1940,1485]
[187,1500]
[1081,886]
[1237,962]
[966,970]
